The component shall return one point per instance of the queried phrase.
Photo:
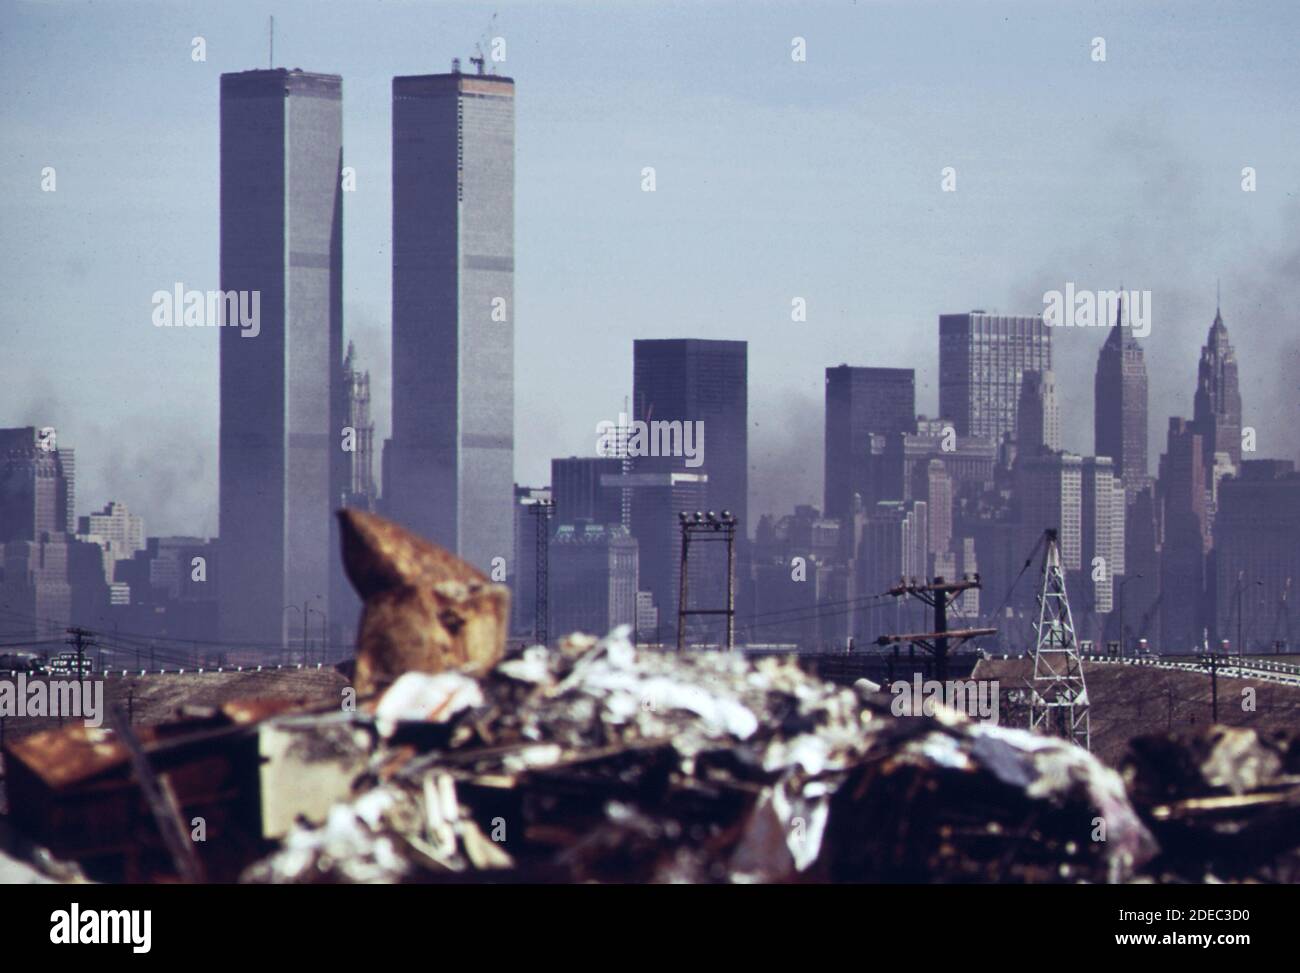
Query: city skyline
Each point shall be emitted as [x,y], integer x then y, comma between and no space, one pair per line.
[170,469]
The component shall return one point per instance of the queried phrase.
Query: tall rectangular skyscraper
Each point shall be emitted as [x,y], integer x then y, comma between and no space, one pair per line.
[280,448]
[982,358]
[859,402]
[451,462]
[698,380]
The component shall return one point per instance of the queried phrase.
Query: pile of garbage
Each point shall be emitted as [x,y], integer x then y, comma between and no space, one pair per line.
[596,762]
[448,760]
[1223,803]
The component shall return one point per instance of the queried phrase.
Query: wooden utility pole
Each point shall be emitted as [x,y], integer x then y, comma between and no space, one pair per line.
[82,639]
[939,595]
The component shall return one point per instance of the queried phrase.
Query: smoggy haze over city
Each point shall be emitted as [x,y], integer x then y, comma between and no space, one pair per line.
[775,179]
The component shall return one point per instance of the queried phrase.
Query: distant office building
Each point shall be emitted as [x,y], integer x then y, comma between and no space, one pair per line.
[1140,589]
[1099,562]
[982,358]
[68,461]
[526,522]
[1038,415]
[938,500]
[90,588]
[1217,405]
[117,531]
[450,469]
[647,617]
[1186,540]
[859,402]
[35,596]
[905,460]
[1257,555]
[796,565]
[281,462]
[893,549]
[579,494]
[1049,489]
[593,578]
[694,380]
[361,491]
[1120,407]
[656,501]
[994,536]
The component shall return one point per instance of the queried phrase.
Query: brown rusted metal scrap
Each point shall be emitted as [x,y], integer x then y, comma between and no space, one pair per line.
[424,608]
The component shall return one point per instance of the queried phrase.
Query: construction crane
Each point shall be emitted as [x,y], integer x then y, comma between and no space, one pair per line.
[1059,693]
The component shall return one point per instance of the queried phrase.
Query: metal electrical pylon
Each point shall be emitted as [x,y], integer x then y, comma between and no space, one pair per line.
[707,527]
[1059,697]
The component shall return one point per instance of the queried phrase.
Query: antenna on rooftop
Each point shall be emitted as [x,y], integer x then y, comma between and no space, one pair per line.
[485,39]
[270,58]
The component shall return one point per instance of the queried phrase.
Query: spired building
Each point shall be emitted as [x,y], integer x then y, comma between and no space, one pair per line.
[282,465]
[1038,415]
[449,471]
[1217,405]
[357,440]
[859,402]
[1120,406]
[35,597]
[982,358]
[359,484]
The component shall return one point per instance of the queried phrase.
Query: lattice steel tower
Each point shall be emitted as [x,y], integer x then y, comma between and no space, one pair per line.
[1059,695]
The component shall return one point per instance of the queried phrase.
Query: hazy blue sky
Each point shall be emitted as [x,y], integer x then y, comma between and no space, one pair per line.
[776,179]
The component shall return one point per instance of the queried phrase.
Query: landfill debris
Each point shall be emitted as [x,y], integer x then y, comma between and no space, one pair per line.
[591,761]
[1224,803]
[596,762]
[424,609]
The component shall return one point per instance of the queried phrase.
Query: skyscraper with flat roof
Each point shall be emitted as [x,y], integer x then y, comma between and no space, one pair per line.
[451,462]
[281,405]
[982,358]
[1183,608]
[859,402]
[696,380]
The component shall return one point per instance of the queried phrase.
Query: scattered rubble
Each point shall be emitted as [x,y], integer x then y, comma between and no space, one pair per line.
[594,762]
[450,761]
[1224,803]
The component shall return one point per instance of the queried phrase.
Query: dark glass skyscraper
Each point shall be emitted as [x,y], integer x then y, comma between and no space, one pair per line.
[692,379]
[859,402]
[281,404]
[450,471]
[1183,609]
[1120,407]
[981,360]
